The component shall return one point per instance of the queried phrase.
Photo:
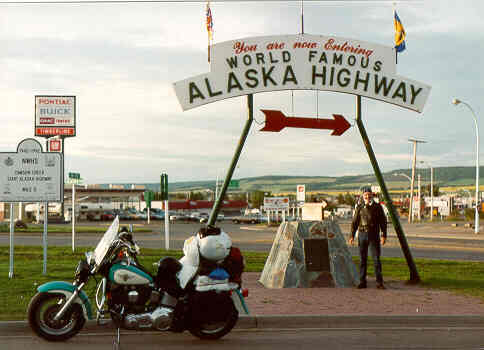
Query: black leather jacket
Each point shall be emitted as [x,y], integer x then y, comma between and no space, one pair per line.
[369,219]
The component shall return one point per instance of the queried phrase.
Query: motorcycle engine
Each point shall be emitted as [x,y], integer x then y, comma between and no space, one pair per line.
[160,319]
[132,297]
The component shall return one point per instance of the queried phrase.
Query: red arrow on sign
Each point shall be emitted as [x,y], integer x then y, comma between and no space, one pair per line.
[276,121]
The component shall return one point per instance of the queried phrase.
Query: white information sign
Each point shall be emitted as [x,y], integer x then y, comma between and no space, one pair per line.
[30,175]
[306,62]
[301,193]
[442,203]
[276,203]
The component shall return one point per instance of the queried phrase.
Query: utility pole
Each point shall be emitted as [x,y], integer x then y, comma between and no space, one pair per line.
[431,193]
[419,199]
[414,162]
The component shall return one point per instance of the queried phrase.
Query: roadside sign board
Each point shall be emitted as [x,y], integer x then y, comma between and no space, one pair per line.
[55,116]
[30,175]
[234,184]
[164,186]
[375,189]
[148,197]
[276,203]
[301,193]
[301,62]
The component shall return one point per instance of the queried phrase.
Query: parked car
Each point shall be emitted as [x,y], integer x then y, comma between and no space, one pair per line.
[247,219]
[108,216]
[132,213]
[157,215]
[123,215]
[181,217]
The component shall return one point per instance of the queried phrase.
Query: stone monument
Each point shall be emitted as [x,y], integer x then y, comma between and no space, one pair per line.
[309,254]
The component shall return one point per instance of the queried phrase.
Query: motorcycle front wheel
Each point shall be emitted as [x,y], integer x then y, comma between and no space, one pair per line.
[212,329]
[41,311]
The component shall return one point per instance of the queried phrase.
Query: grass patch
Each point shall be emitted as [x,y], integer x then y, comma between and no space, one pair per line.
[15,294]
[39,228]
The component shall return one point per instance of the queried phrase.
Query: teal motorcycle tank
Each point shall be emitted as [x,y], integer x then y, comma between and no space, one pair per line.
[128,275]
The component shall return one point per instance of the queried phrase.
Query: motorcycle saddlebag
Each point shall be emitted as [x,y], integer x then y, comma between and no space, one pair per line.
[210,306]
[166,277]
[234,265]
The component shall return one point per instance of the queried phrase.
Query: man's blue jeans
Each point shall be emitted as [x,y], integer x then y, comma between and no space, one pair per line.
[365,242]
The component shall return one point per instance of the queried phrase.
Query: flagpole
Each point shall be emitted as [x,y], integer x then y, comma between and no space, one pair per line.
[302,16]
[209,28]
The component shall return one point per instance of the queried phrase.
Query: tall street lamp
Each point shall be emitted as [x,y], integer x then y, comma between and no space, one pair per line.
[414,164]
[456,102]
[431,189]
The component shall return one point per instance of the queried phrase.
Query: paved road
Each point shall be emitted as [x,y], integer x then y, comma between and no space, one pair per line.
[289,339]
[439,240]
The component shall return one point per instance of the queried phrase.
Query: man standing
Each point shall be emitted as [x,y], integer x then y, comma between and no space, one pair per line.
[369,219]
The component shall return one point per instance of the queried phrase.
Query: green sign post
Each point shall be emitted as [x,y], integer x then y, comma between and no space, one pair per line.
[149,196]
[164,187]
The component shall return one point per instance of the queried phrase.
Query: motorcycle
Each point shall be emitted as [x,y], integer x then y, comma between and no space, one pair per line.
[195,293]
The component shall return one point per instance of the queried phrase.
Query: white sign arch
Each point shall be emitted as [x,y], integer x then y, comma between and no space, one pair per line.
[302,62]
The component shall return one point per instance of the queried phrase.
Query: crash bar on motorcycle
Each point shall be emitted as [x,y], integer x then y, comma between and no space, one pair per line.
[68,303]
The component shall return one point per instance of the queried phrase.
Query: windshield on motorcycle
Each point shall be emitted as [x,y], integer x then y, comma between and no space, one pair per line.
[103,246]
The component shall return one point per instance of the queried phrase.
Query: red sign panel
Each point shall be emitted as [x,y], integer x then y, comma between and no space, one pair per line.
[47,120]
[276,121]
[55,145]
[54,131]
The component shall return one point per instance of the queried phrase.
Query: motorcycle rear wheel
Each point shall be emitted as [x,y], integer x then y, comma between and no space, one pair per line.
[41,311]
[213,330]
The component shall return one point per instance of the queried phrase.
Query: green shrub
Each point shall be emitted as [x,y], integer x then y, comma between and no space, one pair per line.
[470,214]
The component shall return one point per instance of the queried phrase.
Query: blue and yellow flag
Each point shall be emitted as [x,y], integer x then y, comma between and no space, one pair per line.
[399,34]
[209,22]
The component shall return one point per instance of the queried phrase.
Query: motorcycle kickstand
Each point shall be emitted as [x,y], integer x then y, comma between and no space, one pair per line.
[116,343]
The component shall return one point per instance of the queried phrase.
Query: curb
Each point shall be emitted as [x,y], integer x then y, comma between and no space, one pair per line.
[12,328]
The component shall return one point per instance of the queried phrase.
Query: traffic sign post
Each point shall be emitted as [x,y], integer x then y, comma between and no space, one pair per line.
[148,197]
[234,184]
[12,225]
[74,178]
[31,175]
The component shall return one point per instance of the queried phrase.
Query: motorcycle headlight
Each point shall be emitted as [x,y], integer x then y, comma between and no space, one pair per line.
[82,271]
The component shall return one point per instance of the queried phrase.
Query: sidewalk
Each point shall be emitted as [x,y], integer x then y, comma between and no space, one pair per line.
[398,299]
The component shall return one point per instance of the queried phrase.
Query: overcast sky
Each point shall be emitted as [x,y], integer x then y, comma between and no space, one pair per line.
[120,60]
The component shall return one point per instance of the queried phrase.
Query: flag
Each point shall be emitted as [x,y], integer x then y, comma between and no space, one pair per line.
[399,34]
[209,22]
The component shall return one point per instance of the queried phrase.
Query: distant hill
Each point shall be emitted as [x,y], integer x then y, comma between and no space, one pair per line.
[443,176]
